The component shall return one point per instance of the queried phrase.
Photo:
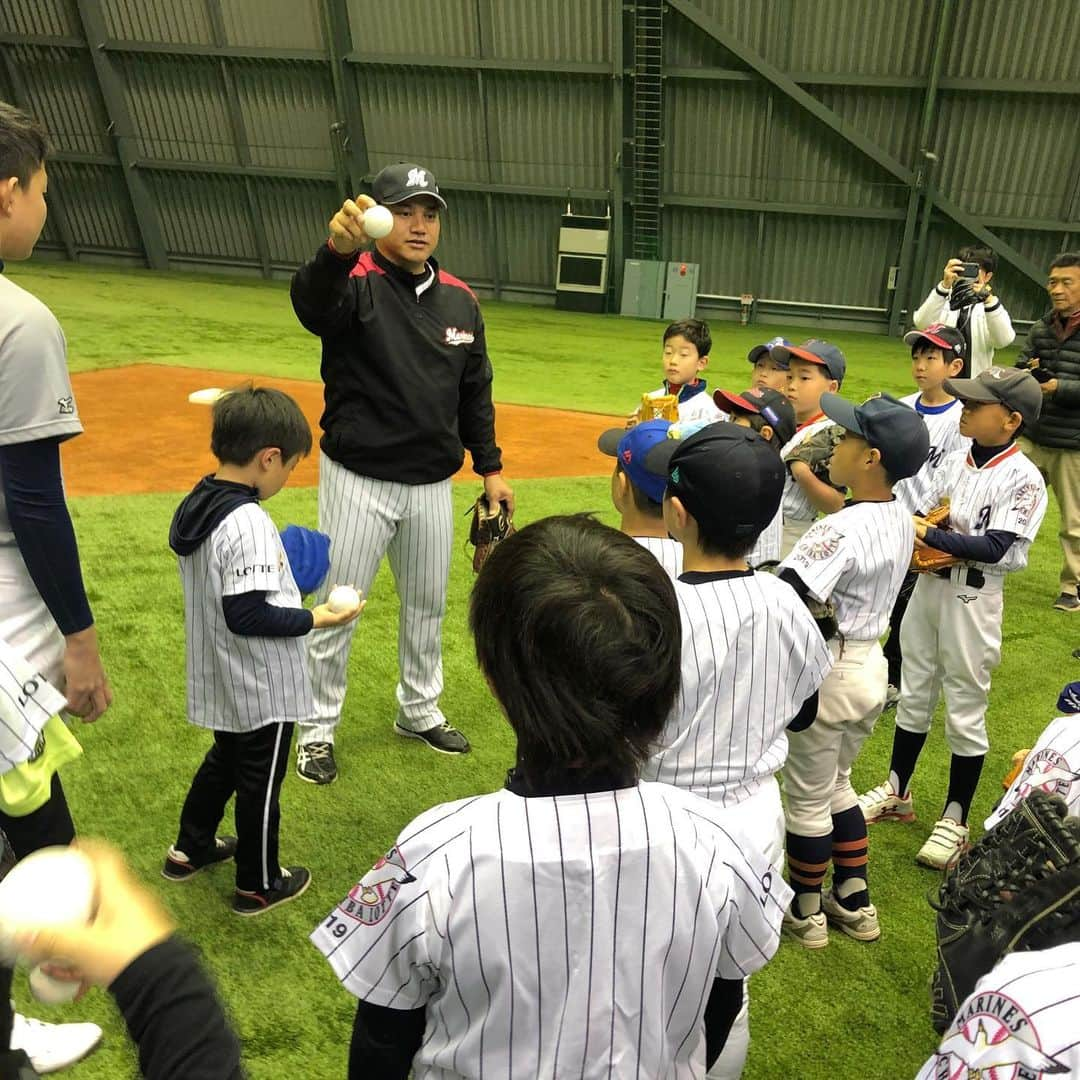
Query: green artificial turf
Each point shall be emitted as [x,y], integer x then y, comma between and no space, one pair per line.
[597,363]
[850,1011]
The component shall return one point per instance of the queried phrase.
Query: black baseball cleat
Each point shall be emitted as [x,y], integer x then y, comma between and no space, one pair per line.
[444,738]
[315,762]
[293,882]
[179,866]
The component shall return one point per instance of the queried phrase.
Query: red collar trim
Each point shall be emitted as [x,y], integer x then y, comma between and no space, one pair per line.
[997,459]
[812,420]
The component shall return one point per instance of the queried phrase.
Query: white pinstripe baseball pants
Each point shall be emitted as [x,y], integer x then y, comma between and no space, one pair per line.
[412,524]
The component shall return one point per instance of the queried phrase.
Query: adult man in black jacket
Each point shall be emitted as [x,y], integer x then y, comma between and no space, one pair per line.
[1052,353]
[408,389]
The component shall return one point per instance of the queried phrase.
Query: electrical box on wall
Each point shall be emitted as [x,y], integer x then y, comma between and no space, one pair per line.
[680,294]
[643,288]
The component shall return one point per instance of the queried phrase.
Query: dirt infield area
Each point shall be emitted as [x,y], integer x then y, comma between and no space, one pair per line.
[143,435]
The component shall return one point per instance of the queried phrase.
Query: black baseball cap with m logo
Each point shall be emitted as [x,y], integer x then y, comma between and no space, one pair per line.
[396,183]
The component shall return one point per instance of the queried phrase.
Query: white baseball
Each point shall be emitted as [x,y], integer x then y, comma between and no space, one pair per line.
[50,990]
[378,221]
[343,598]
[51,887]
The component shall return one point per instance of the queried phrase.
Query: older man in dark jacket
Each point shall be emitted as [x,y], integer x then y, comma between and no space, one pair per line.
[1052,354]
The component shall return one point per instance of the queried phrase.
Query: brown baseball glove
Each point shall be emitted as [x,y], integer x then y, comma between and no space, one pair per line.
[490,525]
[928,559]
[817,451]
[663,407]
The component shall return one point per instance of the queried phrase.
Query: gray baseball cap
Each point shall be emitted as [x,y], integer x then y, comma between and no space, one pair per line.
[1017,390]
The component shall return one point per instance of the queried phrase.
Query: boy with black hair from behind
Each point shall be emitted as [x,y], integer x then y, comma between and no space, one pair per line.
[467,942]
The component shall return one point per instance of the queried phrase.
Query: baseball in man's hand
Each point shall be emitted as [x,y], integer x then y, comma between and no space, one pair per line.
[378,221]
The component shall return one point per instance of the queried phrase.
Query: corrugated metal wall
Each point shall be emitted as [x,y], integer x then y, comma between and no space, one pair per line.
[229,106]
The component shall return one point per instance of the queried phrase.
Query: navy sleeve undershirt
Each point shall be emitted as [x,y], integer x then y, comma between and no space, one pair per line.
[725,1001]
[806,715]
[34,494]
[249,615]
[989,548]
[175,1017]
[384,1041]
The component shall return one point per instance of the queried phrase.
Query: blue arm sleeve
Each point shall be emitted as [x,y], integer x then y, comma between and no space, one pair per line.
[990,548]
[34,493]
[249,615]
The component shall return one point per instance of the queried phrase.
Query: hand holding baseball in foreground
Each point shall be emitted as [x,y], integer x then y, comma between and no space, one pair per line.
[127,921]
[343,605]
[347,225]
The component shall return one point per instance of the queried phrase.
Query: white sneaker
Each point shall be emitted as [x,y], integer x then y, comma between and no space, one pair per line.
[944,845]
[811,932]
[892,696]
[861,924]
[51,1047]
[883,804]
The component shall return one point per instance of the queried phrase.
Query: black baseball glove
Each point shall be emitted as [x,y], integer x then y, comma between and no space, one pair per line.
[490,524]
[1018,888]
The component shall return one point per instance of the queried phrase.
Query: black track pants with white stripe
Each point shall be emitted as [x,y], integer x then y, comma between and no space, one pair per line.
[252,765]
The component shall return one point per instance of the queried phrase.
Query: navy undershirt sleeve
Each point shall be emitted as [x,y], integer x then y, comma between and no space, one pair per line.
[34,494]
[249,615]
[384,1041]
[806,715]
[175,1017]
[725,1001]
[989,548]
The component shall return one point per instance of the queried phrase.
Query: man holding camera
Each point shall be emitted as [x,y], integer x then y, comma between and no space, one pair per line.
[1052,355]
[964,298]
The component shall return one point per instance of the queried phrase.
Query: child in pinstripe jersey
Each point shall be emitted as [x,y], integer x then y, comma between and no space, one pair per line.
[247,668]
[576,922]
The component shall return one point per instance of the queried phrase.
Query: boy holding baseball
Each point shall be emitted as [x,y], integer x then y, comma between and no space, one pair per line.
[246,665]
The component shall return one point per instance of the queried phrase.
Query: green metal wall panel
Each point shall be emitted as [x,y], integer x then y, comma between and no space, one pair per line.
[232,104]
